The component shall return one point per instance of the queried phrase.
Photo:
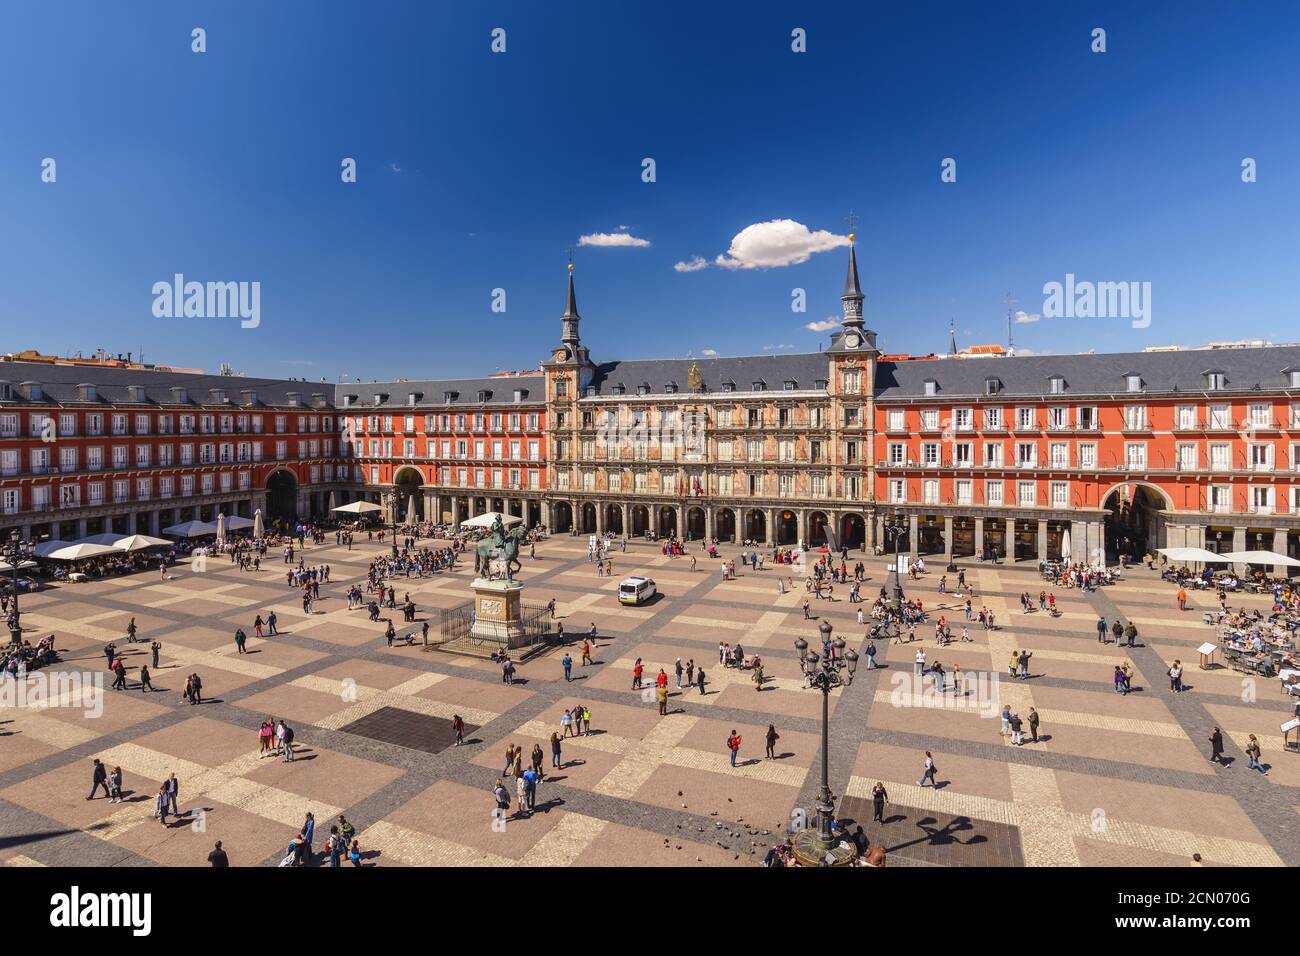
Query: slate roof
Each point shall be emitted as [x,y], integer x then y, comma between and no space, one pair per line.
[431,392]
[59,386]
[1098,374]
[805,370]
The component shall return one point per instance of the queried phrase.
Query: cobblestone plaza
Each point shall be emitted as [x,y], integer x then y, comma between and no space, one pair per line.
[1113,781]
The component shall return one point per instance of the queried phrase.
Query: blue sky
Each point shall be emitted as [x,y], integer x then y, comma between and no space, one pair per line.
[478,171]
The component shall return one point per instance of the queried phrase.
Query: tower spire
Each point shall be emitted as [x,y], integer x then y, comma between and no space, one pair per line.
[952,337]
[570,318]
[852,297]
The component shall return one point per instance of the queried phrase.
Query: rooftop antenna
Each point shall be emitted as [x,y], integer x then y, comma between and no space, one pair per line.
[1010,303]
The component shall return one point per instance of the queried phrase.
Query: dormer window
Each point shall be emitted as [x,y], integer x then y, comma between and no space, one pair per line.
[760,386]
[931,387]
[348,400]
[1215,381]
[1293,376]
[180,396]
[991,386]
[1134,382]
[591,391]
[218,395]
[790,384]
[135,393]
[485,395]
[33,390]
[728,386]
[671,388]
[820,384]
[521,394]
[87,393]
[250,397]
[620,389]
[375,399]
[643,389]
[449,397]
[1056,385]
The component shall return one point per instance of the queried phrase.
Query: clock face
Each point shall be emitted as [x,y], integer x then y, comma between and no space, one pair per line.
[561,354]
[852,340]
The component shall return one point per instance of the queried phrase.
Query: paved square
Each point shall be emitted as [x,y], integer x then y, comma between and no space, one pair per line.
[1111,780]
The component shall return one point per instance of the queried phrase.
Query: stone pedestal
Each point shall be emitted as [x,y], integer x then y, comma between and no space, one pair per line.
[497,612]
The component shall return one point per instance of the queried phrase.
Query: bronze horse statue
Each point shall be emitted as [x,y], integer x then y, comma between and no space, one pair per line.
[501,544]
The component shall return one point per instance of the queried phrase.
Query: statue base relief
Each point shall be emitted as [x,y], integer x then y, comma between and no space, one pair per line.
[497,612]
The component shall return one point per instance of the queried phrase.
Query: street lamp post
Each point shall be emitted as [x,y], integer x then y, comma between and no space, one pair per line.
[815,847]
[894,529]
[15,553]
[390,498]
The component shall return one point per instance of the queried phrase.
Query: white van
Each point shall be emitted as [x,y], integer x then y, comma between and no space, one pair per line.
[635,590]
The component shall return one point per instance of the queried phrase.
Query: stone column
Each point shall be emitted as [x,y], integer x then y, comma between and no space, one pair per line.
[947,540]
[800,524]
[455,512]
[708,524]
[1239,544]
[654,518]
[1042,539]
[771,526]
[81,527]
[878,527]
[979,537]
[913,536]
[600,517]
[153,523]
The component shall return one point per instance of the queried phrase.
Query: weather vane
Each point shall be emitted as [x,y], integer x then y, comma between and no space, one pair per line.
[852,219]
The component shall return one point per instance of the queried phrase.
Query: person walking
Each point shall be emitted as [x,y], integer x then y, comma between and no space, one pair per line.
[637,670]
[879,797]
[173,793]
[1176,677]
[1101,630]
[555,751]
[733,745]
[145,684]
[98,778]
[1216,747]
[586,653]
[115,785]
[567,661]
[699,680]
[218,856]
[240,639]
[458,728]
[160,804]
[661,694]
[677,670]
[772,738]
[929,772]
[335,844]
[1253,753]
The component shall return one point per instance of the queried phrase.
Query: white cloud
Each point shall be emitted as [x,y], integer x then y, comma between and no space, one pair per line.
[695,264]
[773,348]
[623,239]
[778,242]
[825,325]
[1024,318]
[709,352]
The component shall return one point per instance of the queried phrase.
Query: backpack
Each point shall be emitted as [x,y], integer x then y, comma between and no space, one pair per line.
[288,735]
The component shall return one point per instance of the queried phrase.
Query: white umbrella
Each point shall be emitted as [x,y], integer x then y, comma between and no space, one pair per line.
[190,529]
[1260,557]
[357,508]
[1065,545]
[487,519]
[81,550]
[258,529]
[22,565]
[239,523]
[44,549]
[1192,554]
[332,502]
[108,537]
[221,527]
[411,516]
[139,542]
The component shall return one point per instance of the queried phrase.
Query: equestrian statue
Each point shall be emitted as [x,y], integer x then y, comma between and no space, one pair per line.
[501,545]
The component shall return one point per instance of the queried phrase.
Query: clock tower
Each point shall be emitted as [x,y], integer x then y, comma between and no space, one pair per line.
[852,336]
